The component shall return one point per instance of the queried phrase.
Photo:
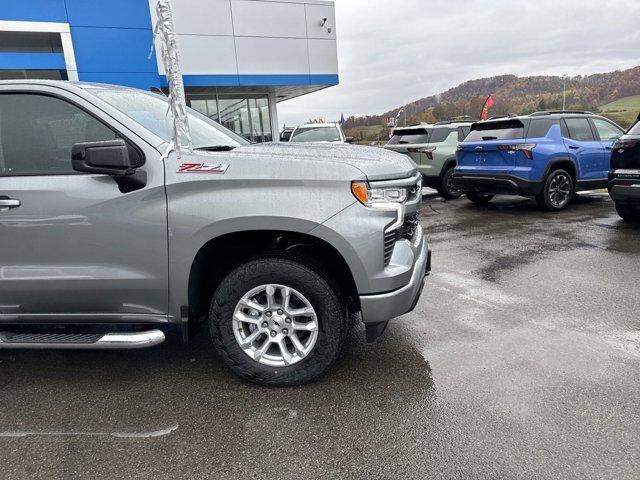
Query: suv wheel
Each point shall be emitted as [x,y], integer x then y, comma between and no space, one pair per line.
[448,189]
[479,198]
[557,192]
[277,321]
[628,212]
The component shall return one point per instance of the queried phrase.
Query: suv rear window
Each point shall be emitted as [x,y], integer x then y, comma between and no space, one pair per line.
[501,130]
[411,136]
[439,135]
[540,128]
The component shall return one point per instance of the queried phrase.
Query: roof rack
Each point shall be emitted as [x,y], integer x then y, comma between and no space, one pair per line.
[461,119]
[555,112]
[508,115]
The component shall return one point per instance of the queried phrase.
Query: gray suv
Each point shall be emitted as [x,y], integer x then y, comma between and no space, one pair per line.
[433,148]
[109,240]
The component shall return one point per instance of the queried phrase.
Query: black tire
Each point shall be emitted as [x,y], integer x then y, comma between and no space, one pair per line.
[306,279]
[479,198]
[447,189]
[557,192]
[630,213]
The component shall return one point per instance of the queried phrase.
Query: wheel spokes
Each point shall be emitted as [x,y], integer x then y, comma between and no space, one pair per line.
[275,325]
[311,326]
[248,342]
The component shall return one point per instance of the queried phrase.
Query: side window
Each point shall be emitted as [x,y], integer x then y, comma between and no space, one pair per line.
[540,128]
[463,132]
[606,130]
[440,134]
[579,129]
[38,131]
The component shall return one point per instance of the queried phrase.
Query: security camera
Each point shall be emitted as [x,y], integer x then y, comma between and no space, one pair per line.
[323,22]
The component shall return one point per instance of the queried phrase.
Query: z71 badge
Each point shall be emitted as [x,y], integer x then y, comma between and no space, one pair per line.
[219,169]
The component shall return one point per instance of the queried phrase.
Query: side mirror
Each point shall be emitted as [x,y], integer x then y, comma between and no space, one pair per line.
[349,140]
[106,158]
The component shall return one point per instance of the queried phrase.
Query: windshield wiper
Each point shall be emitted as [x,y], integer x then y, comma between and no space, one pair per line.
[216,148]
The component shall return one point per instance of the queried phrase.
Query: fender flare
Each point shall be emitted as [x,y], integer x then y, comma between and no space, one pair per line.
[557,160]
[447,163]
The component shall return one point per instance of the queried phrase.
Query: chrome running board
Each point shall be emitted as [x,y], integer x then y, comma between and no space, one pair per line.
[81,341]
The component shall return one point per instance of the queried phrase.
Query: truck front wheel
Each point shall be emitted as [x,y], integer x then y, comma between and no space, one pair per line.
[277,321]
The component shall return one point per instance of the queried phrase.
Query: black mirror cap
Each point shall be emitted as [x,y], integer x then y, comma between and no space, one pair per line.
[349,140]
[107,158]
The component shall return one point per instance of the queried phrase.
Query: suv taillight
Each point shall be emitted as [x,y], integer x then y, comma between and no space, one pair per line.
[428,151]
[526,148]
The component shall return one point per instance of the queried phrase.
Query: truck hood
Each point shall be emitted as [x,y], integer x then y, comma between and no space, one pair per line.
[374,163]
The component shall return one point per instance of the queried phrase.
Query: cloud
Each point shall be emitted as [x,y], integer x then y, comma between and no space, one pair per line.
[392,52]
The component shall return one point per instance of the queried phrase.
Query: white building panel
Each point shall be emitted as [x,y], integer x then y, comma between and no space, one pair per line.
[198,17]
[315,15]
[272,56]
[323,57]
[206,55]
[254,37]
[269,19]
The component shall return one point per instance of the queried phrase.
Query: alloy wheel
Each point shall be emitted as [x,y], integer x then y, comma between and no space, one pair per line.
[451,186]
[560,190]
[275,325]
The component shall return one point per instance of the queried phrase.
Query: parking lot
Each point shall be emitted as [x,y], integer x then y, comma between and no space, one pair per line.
[521,360]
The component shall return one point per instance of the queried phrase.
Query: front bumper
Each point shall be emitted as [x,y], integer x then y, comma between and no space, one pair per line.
[380,308]
[496,184]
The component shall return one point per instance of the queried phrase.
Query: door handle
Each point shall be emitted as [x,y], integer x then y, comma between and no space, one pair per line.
[608,147]
[6,203]
[574,147]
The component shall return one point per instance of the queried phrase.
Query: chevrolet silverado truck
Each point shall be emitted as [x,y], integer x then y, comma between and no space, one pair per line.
[111,239]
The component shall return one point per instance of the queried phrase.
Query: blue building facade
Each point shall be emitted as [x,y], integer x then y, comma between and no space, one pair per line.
[236,66]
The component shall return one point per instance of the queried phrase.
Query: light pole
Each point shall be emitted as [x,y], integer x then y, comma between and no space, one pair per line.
[405,116]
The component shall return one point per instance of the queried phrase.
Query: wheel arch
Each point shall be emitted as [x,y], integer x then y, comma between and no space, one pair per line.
[562,162]
[448,163]
[219,255]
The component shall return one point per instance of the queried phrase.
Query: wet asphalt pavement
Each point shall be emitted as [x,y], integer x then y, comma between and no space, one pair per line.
[521,360]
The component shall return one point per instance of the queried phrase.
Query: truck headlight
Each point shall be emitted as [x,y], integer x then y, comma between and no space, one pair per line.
[371,196]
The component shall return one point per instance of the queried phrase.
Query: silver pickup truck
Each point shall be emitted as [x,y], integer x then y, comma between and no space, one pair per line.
[110,240]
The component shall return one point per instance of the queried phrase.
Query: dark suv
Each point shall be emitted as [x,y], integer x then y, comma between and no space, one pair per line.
[624,178]
[545,155]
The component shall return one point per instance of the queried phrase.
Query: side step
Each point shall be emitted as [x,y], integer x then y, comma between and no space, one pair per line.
[81,341]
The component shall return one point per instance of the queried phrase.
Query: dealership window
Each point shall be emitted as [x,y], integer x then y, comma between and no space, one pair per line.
[33,75]
[245,114]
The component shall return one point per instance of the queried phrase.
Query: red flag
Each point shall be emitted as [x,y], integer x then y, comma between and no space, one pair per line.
[488,103]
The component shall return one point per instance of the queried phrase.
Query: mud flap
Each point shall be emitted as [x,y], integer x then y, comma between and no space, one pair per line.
[375,330]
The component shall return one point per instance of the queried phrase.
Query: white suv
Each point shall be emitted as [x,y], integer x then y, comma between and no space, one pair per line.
[319,132]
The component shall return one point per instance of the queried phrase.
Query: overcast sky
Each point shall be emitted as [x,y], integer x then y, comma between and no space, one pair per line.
[391,52]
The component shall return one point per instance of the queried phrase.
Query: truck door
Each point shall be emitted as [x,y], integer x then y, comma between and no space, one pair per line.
[74,245]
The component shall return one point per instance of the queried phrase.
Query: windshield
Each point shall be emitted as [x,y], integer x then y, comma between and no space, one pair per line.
[150,111]
[316,134]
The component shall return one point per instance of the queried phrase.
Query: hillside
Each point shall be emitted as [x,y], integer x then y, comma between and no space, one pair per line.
[517,95]
[624,110]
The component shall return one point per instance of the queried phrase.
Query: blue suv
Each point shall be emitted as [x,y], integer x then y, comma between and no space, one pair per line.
[545,155]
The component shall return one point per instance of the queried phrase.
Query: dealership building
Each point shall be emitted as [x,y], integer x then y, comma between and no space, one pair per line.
[239,58]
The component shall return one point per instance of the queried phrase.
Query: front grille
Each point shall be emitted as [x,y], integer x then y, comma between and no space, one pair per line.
[406,232]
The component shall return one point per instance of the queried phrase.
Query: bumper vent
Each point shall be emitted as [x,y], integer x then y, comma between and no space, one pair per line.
[406,232]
